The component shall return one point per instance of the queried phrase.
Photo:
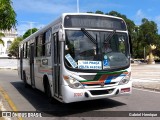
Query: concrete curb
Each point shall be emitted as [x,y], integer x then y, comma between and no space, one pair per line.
[153,86]
[13,68]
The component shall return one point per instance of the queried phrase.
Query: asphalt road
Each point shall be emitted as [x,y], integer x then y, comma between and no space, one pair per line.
[28,99]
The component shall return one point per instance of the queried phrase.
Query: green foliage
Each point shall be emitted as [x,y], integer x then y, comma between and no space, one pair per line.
[1,41]
[149,31]
[89,12]
[146,34]
[7,15]
[29,32]
[14,48]
[99,12]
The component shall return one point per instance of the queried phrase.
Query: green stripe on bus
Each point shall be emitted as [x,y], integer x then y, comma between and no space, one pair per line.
[98,75]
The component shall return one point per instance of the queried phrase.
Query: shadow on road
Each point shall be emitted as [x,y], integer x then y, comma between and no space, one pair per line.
[77,109]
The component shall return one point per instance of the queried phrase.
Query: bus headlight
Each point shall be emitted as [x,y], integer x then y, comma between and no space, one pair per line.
[73,83]
[125,80]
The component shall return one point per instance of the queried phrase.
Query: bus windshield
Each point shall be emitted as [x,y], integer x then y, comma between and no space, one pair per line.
[96,50]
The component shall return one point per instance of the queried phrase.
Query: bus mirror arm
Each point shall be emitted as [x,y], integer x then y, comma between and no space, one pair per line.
[61,35]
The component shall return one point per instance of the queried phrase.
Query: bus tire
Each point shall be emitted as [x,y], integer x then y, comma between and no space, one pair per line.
[24,80]
[47,89]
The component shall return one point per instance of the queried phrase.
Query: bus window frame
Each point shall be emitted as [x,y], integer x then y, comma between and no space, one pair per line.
[95,70]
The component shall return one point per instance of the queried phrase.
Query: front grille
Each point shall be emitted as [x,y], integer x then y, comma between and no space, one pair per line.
[99,80]
[101,92]
[112,83]
[88,77]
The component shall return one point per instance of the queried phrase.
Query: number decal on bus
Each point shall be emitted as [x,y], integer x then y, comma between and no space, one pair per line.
[78,94]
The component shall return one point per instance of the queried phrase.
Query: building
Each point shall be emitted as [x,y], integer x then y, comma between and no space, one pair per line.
[10,35]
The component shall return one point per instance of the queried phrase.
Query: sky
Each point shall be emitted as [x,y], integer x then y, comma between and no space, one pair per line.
[38,13]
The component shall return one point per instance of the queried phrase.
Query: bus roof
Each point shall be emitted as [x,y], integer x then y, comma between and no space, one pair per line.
[91,14]
[60,20]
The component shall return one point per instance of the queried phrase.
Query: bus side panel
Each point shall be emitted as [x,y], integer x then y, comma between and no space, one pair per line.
[26,70]
[20,63]
[19,70]
[38,75]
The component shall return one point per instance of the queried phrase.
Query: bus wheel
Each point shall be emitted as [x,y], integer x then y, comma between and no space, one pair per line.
[48,91]
[24,80]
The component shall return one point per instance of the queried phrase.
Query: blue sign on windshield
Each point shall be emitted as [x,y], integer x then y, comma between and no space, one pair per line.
[71,61]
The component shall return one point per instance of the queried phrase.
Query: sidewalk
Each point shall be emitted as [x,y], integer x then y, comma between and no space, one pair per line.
[146,76]
[147,85]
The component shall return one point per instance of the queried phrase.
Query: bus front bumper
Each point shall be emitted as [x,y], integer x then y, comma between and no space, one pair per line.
[74,95]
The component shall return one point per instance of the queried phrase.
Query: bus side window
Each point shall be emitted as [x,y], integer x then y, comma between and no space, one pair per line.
[36,50]
[39,46]
[43,44]
[56,50]
[48,43]
[25,49]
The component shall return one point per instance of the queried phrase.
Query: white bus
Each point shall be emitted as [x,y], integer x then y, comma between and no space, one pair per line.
[78,57]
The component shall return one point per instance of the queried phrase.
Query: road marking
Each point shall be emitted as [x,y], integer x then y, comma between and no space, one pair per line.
[10,102]
[146,90]
[2,108]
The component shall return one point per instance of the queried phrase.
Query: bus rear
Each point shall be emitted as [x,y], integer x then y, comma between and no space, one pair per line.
[95,57]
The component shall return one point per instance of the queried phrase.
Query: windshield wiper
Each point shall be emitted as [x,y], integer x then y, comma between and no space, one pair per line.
[109,36]
[89,35]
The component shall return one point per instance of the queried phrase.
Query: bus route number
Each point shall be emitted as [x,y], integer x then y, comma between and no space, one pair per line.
[78,94]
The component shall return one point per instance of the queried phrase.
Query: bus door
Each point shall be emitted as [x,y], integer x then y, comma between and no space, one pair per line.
[31,59]
[56,65]
[21,63]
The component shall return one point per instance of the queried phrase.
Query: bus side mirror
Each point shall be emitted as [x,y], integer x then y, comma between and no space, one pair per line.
[130,44]
[61,35]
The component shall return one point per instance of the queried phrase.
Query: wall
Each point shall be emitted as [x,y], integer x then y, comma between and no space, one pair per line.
[8,63]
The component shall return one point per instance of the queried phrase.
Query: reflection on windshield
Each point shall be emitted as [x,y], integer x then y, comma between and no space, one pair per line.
[102,54]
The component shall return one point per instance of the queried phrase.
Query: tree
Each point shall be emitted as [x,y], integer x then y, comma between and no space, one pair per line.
[7,15]
[99,12]
[148,34]
[149,31]
[14,47]
[1,41]
[157,50]
[89,12]
[145,35]
[29,32]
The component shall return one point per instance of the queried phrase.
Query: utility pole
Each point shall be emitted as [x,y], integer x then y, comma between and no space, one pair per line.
[77,6]
[30,24]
